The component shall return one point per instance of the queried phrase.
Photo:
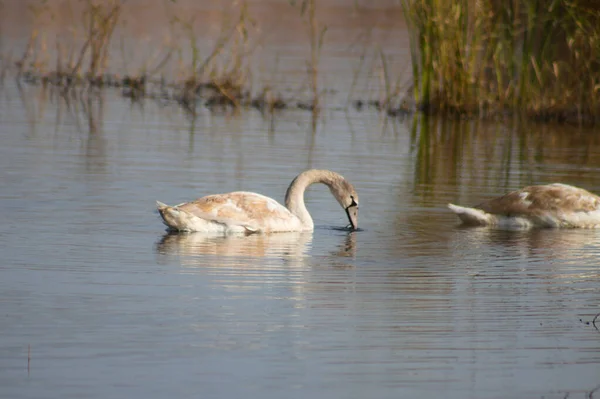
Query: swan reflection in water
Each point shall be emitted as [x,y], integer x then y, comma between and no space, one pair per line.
[236,250]
[252,251]
[565,253]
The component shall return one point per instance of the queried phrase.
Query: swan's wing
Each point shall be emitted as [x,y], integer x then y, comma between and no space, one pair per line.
[537,200]
[251,210]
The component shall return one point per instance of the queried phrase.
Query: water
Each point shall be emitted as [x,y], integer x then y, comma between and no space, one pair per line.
[97,300]
[112,306]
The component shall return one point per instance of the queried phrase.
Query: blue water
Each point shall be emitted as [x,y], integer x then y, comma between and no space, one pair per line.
[98,301]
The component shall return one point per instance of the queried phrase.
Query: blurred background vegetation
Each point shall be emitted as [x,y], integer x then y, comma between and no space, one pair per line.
[538,59]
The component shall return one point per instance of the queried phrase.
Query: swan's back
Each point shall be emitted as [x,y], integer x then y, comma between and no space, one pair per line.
[536,200]
[243,206]
[551,205]
[239,211]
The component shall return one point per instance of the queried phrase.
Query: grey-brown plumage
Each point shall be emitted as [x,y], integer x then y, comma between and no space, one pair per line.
[552,205]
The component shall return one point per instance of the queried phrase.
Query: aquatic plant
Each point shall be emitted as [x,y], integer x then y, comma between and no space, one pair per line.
[531,57]
[224,74]
[85,64]
[316,36]
[214,77]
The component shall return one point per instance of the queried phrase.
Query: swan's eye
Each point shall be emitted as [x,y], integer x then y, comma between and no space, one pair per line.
[353,203]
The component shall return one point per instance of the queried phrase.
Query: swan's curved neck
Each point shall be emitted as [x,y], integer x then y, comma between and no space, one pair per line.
[294,197]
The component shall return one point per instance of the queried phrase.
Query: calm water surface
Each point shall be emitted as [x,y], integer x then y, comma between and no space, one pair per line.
[412,305]
[106,304]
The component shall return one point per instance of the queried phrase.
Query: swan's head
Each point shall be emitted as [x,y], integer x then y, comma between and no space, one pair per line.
[348,198]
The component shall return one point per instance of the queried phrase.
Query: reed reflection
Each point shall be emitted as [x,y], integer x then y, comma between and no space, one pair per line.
[449,154]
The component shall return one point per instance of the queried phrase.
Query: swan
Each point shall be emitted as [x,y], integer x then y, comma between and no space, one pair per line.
[247,212]
[550,205]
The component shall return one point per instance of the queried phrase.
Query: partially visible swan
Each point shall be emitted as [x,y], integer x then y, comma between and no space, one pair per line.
[552,205]
[246,212]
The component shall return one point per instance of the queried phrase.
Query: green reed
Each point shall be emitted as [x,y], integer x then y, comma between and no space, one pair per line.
[533,57]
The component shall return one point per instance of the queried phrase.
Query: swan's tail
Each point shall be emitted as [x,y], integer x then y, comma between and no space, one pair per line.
[174,218]
[471,216]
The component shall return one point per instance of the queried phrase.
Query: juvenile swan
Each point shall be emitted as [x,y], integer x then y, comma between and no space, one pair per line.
[552,205]
[247,212]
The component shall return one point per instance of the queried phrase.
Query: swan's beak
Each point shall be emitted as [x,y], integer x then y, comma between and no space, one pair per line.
[352,212]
